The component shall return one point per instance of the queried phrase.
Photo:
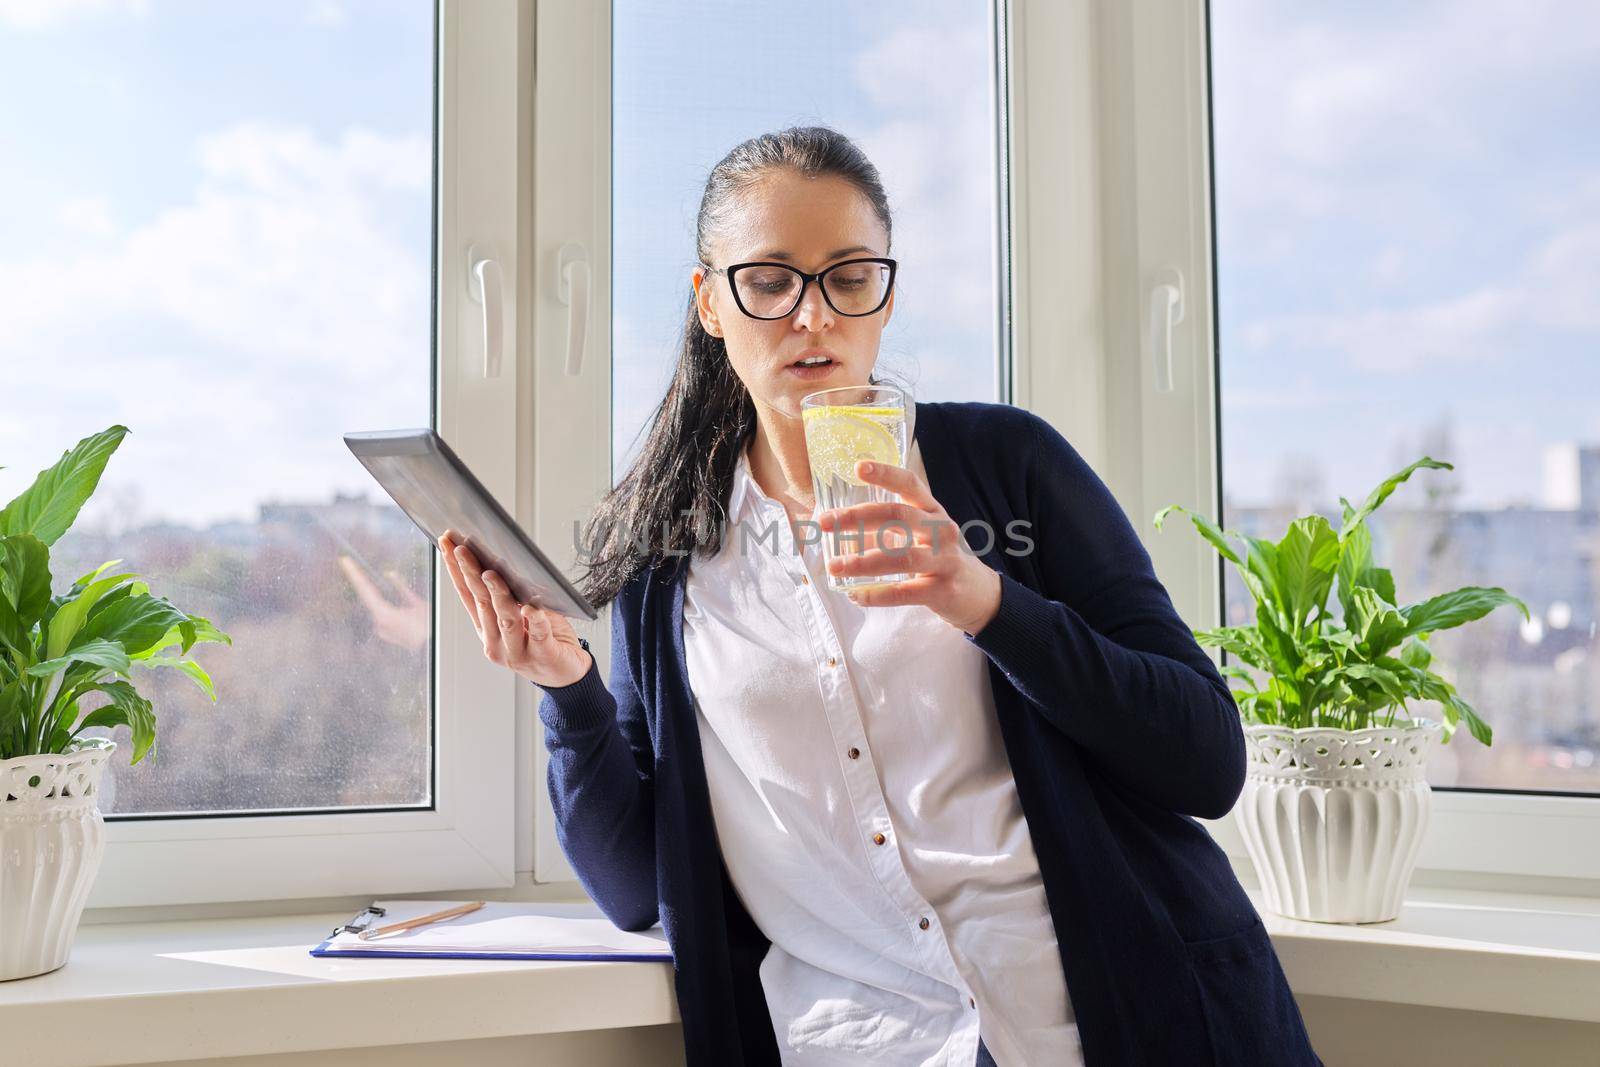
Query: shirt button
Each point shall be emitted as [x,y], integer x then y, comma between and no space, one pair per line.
[854,753]
[878,839]
[805,579]
[832,661]
[923,922]
[971,1003]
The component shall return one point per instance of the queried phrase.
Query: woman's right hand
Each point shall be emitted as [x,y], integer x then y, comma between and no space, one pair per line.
[536,643]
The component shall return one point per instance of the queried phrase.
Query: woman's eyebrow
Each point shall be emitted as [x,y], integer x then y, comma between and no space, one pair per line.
[780,254]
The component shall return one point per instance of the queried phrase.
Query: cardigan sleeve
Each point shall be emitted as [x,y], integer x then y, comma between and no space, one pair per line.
[601,785]
[1102,653]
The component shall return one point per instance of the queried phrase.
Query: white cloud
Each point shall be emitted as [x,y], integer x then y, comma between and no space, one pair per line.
[88,214]
[941,190]
[1340,136]
[1553,290]
[45,14]
[326,13]
[309,314]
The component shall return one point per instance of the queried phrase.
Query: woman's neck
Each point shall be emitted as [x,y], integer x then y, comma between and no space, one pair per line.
[779,463]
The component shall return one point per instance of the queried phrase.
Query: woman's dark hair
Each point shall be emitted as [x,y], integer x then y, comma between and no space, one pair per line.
[674,495]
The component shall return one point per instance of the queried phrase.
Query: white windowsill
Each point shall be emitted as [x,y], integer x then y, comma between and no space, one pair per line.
[154,991]
[1469,949]
[147,992]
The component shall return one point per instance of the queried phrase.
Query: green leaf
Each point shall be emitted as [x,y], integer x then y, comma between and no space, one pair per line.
[98,652]
[25,576]
[1208,529]
[1416,654]
[137,622]
[1388,682]
[1379,625]
[83,580]
[13,702]
[1477,727]
[127,708]
[201,628]
[1451,609]
[1261,573]
[1381,493]
[189,667]
[1305,563]
[14,635]
[70,617]
[48,507]
[1236,641]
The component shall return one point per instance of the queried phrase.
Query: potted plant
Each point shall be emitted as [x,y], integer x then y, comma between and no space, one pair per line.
[1335,801]
[54,652]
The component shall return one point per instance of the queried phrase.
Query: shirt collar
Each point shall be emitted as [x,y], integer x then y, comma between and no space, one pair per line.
[743,485]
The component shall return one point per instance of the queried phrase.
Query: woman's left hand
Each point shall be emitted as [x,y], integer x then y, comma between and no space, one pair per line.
[945,574]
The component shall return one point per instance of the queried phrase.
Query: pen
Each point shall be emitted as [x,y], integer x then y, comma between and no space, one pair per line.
[421,920]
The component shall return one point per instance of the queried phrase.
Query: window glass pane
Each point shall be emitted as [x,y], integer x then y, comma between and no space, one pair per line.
[218,224]
[1408,255]
[912,83]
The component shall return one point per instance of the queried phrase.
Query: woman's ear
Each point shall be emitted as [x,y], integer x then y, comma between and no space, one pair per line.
[702,302]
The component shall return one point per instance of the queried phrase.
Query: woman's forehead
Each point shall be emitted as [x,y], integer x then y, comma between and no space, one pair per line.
[805,220]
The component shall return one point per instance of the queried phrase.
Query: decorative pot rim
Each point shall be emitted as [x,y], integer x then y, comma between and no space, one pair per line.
[79,746]
[1379,756]
[1417,724]
[70,777]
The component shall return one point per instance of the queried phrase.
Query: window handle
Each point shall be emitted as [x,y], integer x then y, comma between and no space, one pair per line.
[485,286]
[572,289]
[1166,311]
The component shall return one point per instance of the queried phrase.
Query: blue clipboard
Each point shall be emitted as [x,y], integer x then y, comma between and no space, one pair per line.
[341,945]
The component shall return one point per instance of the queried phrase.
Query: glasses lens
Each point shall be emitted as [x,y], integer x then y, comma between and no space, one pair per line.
[857,288]
[767,292]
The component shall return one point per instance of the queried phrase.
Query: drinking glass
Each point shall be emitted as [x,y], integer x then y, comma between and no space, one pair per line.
[842,426]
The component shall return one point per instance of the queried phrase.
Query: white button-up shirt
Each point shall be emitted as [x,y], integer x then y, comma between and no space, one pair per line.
[866,811]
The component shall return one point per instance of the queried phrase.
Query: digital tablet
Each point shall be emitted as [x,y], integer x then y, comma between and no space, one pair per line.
[437,490]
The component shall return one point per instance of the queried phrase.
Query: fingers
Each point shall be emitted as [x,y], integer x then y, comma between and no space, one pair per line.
[482,605]
[452,563]
[917,559]
[901,480]
[890,523]
[508,619]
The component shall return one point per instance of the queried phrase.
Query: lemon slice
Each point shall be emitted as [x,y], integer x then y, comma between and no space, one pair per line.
[838,437]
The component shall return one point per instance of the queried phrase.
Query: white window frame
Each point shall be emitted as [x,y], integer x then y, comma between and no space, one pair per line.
[469,837]
[1109,163]
[1161,448]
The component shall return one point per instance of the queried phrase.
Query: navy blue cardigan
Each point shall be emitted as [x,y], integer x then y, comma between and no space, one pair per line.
[1118,727]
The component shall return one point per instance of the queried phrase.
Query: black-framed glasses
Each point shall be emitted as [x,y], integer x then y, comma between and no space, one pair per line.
[852,288]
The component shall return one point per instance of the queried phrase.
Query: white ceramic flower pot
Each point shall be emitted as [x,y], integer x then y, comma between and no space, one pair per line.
[52,838]
[1333,819]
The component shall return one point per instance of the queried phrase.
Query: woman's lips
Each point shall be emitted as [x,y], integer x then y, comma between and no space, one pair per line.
[809,373]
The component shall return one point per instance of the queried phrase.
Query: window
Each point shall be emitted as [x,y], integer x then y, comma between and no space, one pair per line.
[177,259]
[226,228]
[931,128]
[1406,266]
[638,101]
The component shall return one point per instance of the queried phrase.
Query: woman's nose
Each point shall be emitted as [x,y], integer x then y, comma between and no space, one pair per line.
[813,311]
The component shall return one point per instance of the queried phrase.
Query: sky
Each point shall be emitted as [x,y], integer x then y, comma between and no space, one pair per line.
[914,93]
[1408,235]
[216,231]
[216,225]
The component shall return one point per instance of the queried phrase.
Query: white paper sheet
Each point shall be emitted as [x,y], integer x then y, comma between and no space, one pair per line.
[506,928]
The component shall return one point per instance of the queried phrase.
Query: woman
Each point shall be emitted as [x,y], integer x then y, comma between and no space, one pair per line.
[948,821]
